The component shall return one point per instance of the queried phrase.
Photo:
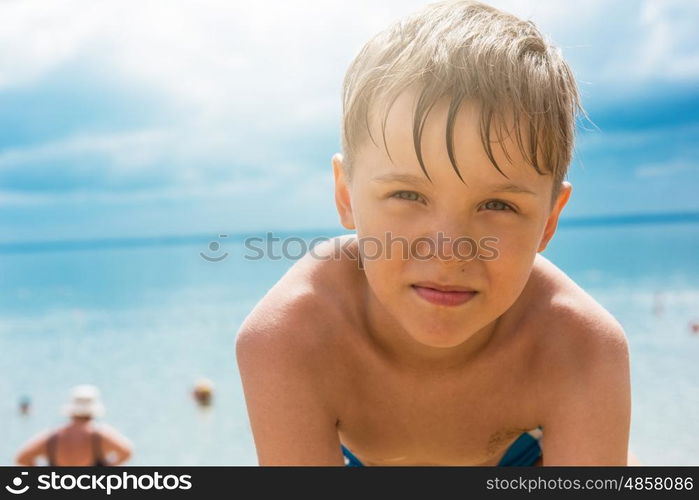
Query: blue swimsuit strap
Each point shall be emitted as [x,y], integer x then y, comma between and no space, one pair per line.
[524,451]
[350,459]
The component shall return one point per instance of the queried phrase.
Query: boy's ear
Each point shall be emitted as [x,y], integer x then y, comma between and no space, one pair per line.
[342,194]
[552,222]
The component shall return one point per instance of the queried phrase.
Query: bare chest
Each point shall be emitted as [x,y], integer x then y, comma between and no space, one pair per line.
[460,419]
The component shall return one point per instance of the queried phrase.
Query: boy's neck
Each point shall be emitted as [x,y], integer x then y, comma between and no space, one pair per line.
[401,349]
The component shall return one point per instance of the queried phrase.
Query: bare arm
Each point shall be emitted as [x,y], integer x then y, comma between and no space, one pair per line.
[115,447]
[32,449]
[291,421]
[588,420]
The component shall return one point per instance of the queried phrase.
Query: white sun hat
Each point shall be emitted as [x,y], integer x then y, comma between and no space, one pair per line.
[85,402]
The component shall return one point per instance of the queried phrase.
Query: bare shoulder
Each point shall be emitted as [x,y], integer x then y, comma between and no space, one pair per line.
[290,352]
[113,440]
[40,439]
[106,431]
[299,317]
[583,367]
[579,334]
[34,447]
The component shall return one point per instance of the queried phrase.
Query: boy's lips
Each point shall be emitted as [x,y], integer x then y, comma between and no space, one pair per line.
[443,288]
[442,297]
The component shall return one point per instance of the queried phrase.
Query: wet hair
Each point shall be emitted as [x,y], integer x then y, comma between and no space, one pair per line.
[467,50]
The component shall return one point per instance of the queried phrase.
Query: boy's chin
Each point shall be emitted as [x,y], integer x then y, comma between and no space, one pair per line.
[443,338]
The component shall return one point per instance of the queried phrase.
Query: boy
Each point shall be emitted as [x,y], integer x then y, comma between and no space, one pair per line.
[458,127]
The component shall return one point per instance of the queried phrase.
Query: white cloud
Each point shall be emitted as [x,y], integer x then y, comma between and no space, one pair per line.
[128,150]
[131,155]
[667,169]
[181,192]
[216,57]
[241,77]
[670,49]
[213,57]
[36,36]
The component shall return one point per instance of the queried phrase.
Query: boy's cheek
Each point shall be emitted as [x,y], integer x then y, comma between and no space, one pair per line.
[511,247]
[383,285]
[509,256]
[387,272]
[507,276]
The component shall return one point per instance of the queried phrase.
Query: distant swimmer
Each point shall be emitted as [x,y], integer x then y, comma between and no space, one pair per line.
[80,442]
[203,392]
[694,326]
[25,405]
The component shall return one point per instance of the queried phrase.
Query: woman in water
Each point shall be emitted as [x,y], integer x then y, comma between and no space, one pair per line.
[80,442]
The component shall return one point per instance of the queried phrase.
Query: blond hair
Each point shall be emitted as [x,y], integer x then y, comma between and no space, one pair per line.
[467,50]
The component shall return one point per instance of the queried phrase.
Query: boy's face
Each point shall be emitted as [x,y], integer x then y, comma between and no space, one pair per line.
[377,205]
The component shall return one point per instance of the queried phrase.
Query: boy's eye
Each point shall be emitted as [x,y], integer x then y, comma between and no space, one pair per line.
[407,195]
[497,205]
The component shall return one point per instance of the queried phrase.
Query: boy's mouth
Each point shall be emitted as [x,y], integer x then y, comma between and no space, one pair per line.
[443,295]
[443,288]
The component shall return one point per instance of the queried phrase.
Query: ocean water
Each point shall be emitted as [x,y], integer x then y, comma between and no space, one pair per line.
[144,322]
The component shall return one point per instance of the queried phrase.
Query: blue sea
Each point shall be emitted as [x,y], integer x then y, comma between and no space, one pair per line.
[144,319]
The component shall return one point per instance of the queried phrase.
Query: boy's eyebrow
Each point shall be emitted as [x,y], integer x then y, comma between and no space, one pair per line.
[407,178]
[414,179]
[511,188]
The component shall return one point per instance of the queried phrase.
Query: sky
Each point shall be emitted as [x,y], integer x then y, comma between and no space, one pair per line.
[139,118]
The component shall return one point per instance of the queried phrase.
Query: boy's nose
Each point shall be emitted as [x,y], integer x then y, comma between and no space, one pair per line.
[454,245]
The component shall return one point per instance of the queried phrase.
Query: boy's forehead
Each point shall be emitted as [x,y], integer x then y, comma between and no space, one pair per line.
[469,152]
